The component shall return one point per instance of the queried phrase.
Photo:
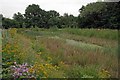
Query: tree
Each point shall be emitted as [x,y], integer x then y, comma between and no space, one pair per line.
[53,13]
[99,15]
[82,9]
[34,16]
[9,23]
[53,19]
[68,21]
[19,18]
[54,22]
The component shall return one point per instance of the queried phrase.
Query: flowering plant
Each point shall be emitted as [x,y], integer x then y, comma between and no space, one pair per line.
[20,71]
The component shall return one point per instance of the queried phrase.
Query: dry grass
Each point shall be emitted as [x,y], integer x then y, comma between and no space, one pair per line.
[93,40]
[72,55]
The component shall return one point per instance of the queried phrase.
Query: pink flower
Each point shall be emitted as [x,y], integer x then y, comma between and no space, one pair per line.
[15,63]
[20,70]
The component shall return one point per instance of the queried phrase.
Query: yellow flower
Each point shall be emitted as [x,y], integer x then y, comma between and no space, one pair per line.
[31,70]
[104,74]
[40,53]
[49,58]
[8,63]
[45,73]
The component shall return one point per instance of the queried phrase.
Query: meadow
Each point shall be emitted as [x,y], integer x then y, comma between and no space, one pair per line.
[59,53]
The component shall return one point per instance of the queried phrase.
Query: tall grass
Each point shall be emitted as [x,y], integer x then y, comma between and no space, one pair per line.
[88,60]
[99,33]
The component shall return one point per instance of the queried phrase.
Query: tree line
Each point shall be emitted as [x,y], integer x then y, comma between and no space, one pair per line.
[93,15]
[100,15]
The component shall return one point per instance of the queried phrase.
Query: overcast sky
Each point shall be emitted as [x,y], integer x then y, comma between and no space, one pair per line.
[9,7]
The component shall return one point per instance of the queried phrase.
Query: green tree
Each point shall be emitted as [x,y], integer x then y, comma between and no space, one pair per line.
[99,15]
[68,21]
[34,16]
[19,18]
[53,13]
[53,18]
[9,23]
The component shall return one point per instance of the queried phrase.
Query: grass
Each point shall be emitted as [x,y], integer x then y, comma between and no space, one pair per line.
[70,53]
[99,33]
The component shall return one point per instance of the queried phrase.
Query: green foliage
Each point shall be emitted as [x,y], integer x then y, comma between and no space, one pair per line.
[19,18]
[53,13]
[68,21]
[34,16]
[93,15]
[99,15]
[92,7]
[9,23]
[82,72]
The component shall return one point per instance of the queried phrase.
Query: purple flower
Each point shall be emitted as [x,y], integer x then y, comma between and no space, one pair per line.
[20,70]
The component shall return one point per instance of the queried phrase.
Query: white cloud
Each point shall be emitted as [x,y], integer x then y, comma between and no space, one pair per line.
[9,7]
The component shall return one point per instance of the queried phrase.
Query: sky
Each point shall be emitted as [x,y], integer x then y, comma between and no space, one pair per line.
[9,7]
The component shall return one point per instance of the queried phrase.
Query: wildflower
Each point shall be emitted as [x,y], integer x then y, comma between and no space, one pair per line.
[19,70]
[15,63]
[31,70]
[49,58]
[8,63]
[40,53]
[104,74]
